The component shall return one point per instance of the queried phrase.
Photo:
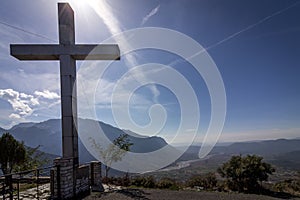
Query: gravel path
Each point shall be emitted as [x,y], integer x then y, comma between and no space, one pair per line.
[149,194]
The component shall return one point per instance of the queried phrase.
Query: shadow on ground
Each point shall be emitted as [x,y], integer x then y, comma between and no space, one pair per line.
[281,195]
[115,194]
[134,193]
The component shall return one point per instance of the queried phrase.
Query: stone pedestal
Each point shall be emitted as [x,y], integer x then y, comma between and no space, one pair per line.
[63,179]
[95,174]
[68,181]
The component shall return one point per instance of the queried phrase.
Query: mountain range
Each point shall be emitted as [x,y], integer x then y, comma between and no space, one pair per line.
[47,134]
[282,152]
[267,148]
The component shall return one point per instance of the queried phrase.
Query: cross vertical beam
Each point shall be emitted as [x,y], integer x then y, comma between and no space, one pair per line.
[68,84]
[66,24]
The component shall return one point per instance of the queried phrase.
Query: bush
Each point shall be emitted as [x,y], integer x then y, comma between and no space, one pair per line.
[291,186]
[137,181]
[167,183]
[244,173]
[207,181]
[119,181]
[146,182]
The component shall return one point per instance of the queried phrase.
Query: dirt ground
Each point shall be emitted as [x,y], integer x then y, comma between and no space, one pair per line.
[152,194]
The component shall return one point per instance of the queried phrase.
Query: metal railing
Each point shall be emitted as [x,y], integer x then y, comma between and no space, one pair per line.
[12,185]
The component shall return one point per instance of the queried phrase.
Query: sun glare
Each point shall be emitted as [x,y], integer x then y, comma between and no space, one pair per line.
[78,3]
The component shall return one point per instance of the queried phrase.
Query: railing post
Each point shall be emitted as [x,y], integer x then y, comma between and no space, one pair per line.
[52,184]
[37,183]
[3,190]
[19,186]
[58,182]
[9,183]
[92,174]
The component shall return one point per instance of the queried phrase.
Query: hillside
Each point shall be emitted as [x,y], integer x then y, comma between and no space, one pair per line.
[2,131]
[48,135]
[283,154]
[264,148]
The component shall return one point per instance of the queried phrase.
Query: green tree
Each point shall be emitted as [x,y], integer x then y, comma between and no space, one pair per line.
[12,153]
[245,173]
[114,152]
[33,159]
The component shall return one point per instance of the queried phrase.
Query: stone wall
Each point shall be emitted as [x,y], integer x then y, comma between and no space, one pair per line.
[82,180]
[69,181]
[62,178]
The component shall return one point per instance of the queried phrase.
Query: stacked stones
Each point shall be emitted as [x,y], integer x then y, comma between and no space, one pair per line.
[62,178]
[84,177]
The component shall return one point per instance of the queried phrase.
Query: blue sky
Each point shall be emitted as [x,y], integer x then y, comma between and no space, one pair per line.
[254,43]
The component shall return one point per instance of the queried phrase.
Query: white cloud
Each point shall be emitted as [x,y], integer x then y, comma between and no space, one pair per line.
[23,105]
[8,94]
[14,116]
[20,102]
[104,10]
[106,13]
[47,94]
[152,13]
[32,100]
[28,80]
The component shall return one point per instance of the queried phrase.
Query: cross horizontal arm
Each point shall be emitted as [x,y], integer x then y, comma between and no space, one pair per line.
[53,52]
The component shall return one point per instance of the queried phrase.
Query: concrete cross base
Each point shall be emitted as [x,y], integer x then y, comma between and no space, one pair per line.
[63,179]
[68,181]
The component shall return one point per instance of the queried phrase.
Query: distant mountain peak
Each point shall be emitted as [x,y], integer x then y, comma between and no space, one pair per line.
[48,135]
[23,125]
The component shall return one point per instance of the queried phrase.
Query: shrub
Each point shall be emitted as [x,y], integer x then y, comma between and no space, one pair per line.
[245,173]
[207,181]
[137,181]
[119,181]
[147,182]
[167,183]
[291,186]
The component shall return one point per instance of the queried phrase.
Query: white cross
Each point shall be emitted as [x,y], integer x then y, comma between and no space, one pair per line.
[67,52]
